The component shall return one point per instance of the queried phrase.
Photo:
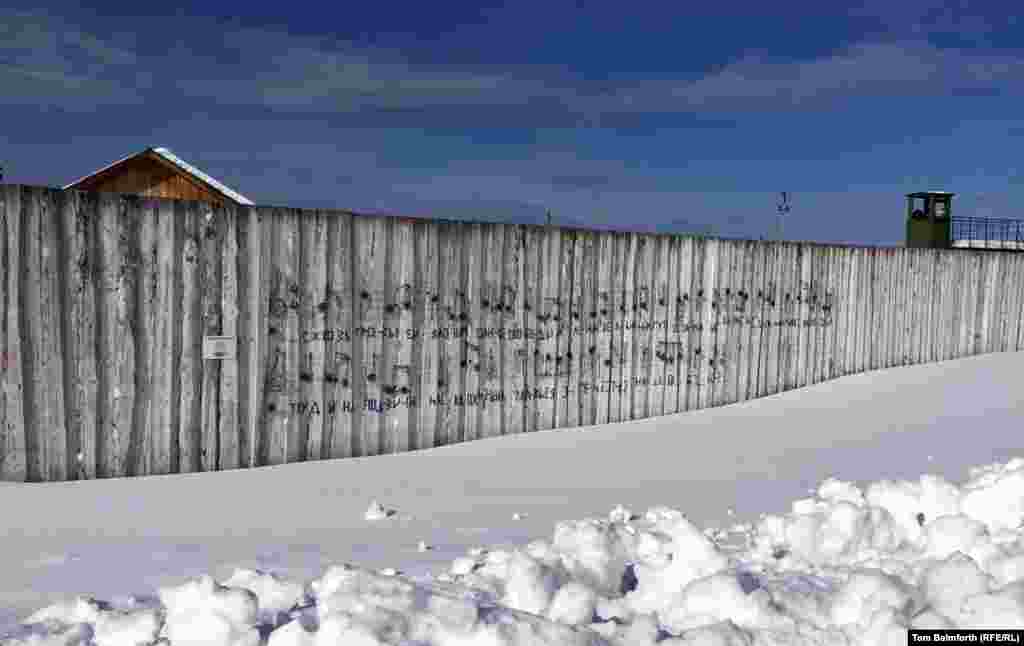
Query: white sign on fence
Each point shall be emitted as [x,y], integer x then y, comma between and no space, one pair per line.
[219,347]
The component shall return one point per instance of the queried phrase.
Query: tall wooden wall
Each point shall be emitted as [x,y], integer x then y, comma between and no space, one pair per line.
[365,335]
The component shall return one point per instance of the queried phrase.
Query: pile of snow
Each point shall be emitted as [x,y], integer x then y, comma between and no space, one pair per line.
[847,566]
[375,512]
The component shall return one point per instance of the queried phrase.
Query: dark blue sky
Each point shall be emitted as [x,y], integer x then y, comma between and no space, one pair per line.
[635,115]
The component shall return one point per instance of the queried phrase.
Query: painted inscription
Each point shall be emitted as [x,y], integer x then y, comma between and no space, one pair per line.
[527,318]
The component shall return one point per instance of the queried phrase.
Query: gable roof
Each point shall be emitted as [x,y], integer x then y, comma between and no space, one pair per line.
[165,155]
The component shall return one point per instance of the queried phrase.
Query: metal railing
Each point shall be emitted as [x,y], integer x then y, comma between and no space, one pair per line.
[986,233]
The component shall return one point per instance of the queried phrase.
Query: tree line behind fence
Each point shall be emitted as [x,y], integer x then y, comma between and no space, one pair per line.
[147,336]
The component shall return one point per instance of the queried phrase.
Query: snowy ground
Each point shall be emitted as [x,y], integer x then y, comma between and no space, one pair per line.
[854,563]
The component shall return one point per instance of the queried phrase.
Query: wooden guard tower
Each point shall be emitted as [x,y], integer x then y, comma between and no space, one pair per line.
[928,219]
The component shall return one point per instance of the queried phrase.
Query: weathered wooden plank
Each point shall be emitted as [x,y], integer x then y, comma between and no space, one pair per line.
[36,443]
[943,279]
[779,312]
[490,333]
[957,278]
[212,229]
[547,347]
[927,303]
[396,372]
[748,314]
[880,308]
[907,313]
[564,378]
[694,298]
[788,284]
[229,445]
[652,314]
[757,305]
[817,277]
[706,300]
[190,340]
[532,298]
[890,277]
[313,391]
[772,313]
[340,436]
[629,310]
[450,374]
[1007,302]
[863,351]
[996,309]
[795,291]
[1000,296]
[836,310]
[985,304]
[514,354]
[1015,286]
[803,298]
[968,295]
[950,285]
[934,310]
[716,358]
[923,305]
[910,320]
[576,321]
[643,355]
[585,304]
[823,315]
[145,213]
[841,311]
[473,264]
[427,321]
[875,295]
[807,329]
[818,305]
[870,307]
[986,309]
[666,338]
[871,295]
[45,333]
[278,408]
[683,320]
[606,320]
[370,277]
[166,348]
[289,263]
[79,215]
[620,292]
[731,330]
[116,343]
[247,266]
[1019,339]
[13,441]
[268,330]
[904,303]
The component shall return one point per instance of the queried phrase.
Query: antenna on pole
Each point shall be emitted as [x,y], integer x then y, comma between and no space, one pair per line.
[783,208]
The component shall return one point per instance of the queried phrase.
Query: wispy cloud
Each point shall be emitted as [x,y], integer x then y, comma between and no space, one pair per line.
[44,58]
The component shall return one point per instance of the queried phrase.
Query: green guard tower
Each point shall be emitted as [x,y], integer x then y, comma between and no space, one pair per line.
[928,219]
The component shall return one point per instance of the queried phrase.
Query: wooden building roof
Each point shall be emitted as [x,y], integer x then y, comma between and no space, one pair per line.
[157,172]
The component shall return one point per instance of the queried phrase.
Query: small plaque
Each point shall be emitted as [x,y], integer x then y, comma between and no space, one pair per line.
[219,347]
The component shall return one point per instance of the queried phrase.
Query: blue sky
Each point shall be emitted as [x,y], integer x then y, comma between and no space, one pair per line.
[635,115]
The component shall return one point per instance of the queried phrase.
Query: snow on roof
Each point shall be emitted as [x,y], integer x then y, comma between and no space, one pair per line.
[192,170]
[166,154]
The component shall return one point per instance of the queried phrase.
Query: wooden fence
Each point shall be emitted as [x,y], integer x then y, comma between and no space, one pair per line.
[352,335]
